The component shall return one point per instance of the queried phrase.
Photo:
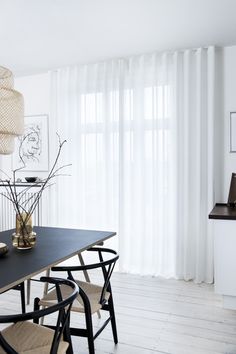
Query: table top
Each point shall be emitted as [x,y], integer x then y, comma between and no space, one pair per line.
[223,212]
[53,246]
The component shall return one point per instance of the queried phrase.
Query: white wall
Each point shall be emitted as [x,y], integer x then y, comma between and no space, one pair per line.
[36,91]
[229,72]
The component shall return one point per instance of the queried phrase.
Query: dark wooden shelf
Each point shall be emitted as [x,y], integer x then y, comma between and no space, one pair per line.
[223,212]
[22,184]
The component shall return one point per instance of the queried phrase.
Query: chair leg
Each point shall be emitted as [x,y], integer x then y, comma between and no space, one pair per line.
[67,337]
[113,319]
[36,308]
[22,295]
[89,326]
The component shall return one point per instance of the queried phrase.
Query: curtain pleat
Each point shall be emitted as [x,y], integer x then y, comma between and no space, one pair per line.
[140,137]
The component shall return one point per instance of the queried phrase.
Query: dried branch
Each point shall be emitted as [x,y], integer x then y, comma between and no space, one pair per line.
[16,197]
[5,175]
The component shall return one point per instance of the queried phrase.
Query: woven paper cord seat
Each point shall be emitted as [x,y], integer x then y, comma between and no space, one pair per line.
[92,291]
[25,337]
[31,338]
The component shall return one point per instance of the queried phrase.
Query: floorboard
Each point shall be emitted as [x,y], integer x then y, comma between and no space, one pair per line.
[155,315]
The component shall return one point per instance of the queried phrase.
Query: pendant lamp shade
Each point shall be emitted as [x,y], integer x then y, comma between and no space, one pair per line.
[11,112]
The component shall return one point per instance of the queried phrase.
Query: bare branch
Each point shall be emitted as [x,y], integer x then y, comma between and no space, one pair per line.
[5,174]
[16,198]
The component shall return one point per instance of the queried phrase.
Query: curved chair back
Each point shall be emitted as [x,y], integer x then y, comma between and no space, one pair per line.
[107,267]
[63,307]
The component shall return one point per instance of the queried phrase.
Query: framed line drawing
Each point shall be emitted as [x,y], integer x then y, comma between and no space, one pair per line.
[232,131]
[33,145]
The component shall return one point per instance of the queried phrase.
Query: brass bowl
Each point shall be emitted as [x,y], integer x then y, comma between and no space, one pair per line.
[3,249]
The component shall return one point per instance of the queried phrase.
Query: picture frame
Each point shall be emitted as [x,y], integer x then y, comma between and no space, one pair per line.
[33,145]
[232,131]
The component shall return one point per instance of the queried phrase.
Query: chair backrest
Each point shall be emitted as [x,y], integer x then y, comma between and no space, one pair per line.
[63,307]
[107,267]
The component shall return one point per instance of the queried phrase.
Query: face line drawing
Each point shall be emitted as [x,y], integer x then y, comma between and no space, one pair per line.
[30,149]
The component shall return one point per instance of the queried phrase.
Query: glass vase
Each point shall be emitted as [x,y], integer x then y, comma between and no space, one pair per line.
[24,238]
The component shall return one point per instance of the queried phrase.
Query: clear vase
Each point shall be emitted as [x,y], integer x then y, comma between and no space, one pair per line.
[24,238]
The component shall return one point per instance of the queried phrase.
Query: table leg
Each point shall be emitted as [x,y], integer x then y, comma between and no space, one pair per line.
[45,290]
[84,271]
[28,284]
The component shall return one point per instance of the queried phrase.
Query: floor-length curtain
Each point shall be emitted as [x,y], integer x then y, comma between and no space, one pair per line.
[140,137]
[197,158]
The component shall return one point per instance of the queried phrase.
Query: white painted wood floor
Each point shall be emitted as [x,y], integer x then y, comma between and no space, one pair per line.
[155,315]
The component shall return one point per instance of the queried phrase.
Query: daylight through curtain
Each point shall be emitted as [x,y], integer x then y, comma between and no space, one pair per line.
[140,140]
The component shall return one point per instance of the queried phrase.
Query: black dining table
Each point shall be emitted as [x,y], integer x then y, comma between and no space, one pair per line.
[53,245]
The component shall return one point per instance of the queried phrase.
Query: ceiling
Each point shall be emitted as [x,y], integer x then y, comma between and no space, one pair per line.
[37,35]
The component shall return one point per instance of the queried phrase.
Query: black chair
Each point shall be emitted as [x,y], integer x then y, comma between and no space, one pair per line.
[24,336]
[20,287]
[91,298]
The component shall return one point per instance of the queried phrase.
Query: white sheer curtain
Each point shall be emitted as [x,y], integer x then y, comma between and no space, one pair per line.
[140,137]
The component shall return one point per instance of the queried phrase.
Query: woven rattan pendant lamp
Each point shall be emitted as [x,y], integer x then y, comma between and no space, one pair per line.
[11,112]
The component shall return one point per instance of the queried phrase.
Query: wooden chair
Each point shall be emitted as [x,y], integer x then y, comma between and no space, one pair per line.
[91,298]
[24,336]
